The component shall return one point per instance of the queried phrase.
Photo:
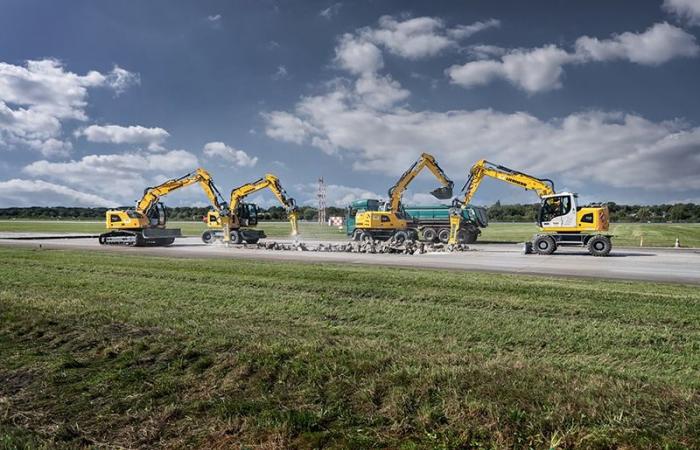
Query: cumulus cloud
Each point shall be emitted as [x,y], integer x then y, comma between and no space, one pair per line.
[121,79]
[657,45]
[21,192]
[126,174]
[37,98]
[685,9]
[541,69]
[281,73]
[116,134]
[238,158]
[379,91]
[357,55]
[615,149]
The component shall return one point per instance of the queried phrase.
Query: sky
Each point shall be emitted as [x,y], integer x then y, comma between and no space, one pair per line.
[100,99]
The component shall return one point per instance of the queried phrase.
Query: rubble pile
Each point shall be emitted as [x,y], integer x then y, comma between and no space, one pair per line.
[404,248]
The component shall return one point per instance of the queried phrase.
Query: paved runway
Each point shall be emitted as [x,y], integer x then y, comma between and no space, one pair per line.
[669,265]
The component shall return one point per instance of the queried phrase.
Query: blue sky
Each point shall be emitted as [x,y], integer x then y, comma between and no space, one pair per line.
[99,99]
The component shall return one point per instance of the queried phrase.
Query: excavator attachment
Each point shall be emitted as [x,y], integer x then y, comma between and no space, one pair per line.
[442,193]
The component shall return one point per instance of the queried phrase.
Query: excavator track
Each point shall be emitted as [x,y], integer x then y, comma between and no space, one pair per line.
[134,239]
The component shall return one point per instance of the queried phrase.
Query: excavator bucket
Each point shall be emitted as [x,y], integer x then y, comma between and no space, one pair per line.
[442,193]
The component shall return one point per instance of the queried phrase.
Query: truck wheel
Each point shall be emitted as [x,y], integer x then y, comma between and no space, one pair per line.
[208,237]
[470,236]
[429,234]
[444,235]
[462,236]
[544,245]
[599,246]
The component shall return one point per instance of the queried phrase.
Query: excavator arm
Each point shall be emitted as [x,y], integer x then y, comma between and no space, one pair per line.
[271,182]
[483,168]
[152,194]
[425,160]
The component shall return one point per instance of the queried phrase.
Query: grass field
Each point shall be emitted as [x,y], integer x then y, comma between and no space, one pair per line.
[135,351]
[626,234]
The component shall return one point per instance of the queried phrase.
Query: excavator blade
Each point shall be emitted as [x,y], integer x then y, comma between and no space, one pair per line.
[442,193]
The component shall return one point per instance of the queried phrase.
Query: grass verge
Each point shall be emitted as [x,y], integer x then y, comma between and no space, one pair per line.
[134,351]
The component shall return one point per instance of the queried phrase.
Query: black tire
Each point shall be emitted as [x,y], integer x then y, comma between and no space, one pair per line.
[429,234]
[469,236]
[599,246]
[400,237]
[208,237]
[236,237]
[365,237]
[544,245]
[444,235]
[356,234]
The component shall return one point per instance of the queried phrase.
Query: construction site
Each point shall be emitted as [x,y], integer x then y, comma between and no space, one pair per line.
[349,225]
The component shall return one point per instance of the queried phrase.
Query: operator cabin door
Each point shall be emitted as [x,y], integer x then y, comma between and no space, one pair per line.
[558,211]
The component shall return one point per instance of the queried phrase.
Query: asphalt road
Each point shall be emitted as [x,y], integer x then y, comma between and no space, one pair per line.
[666,265]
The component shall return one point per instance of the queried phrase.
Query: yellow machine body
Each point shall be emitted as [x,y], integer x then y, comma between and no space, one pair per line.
[385,224]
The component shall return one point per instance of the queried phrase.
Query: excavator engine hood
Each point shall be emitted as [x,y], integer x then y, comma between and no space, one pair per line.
[442,193]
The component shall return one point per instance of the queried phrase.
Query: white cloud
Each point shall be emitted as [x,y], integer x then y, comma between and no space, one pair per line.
[281,73]
[534,70]
[684,9]
[413,38]
[121,79]
[239,158]
[284,126]
[331,11]
[116,134]
[465,31]
[357,55]
[20,192]
[541,69]
[613,149]
[36,99]
[380,91]
[658,44]
[214,18]
[124,175]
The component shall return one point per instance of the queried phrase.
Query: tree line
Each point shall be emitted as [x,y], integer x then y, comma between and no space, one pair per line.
[679,212]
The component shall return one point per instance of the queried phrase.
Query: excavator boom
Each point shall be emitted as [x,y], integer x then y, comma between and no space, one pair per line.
[151,195]
[425,160]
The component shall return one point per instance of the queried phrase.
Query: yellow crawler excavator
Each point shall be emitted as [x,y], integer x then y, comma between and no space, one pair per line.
[561,220]
[144,225]
[391,222]
[235,226]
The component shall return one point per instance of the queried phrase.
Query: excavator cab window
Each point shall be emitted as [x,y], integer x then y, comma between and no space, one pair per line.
[555,207]
[157,215]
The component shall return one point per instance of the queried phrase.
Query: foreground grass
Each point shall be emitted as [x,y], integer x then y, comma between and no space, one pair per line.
[101,348]
[626,234]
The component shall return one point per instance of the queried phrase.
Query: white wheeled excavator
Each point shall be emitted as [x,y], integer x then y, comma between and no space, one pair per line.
[561,219]
[237,226]
[144,225]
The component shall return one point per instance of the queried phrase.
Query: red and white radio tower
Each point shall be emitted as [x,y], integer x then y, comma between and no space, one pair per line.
[321,201]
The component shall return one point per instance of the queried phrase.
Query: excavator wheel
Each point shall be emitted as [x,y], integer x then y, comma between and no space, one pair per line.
[236,237]
[400,237]
[599,246]
[444,235]
[468,236]
[365,237]
[429,234]
[208,237]
[544,245]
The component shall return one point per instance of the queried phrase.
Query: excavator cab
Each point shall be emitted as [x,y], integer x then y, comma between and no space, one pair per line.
[247,214]
[157,216]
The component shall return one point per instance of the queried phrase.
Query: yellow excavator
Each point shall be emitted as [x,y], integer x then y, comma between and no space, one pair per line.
[144,225]
[235,227]
[390,221]
[561,220]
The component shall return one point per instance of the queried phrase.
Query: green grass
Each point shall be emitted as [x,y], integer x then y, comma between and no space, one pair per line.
[626,234]
[102,348]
